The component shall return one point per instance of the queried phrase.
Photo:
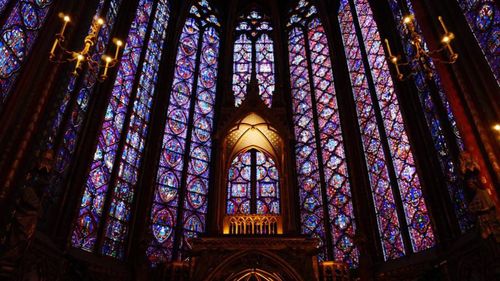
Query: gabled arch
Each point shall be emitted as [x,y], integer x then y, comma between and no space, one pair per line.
[234,265]
[253,131]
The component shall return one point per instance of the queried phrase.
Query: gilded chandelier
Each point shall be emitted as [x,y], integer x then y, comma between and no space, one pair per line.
[422,56]
[84,57]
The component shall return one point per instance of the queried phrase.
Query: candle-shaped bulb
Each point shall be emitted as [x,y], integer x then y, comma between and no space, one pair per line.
[108,61]
[408,19]
[79,59]
[60,37]
[445,29]
[100,21]
[119,44]
[446,40]
[388,47]
[496,127]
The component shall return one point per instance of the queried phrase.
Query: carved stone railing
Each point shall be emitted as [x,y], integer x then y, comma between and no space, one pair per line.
[253,225]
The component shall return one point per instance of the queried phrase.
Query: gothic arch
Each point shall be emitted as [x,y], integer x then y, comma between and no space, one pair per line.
[252,127]
[240,261]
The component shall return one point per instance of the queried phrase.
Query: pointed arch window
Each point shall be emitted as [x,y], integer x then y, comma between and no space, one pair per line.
[253,184]
[70,106]
[253,54]
[442,126]
[180,197]
[396,188]
[483,17]
[325,192]
[18,35]
[112,178]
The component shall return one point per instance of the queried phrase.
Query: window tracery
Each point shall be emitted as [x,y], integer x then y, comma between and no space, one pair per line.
[325,192]
[432,105]
[253,53]
[483,17]
[180,199]
[17,38]
[253,184]
[388,154]
[117,158]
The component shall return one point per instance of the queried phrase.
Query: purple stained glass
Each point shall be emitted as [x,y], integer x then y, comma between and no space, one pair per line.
[310,194]
[242,67]
[195,207]
[267,181]
[166,198]
[265,68]
[66,125]
[483,17]
[320,91]
[17,37]
[417,217]
[136,134]
[253,52]
[385,207]
[416,214]
[84,230]
[239,185]
[253,184]
[112,129]
[3,5]
[434,122]
[187,135]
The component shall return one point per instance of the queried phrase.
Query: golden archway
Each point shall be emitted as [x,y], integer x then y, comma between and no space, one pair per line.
[253,130]
[254,274]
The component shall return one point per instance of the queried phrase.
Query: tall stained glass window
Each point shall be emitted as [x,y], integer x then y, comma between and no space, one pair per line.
[114,169]
[17,37]
[325,191]
[433,104]
[253,184]
[483,17]
[387,149]
[253,53]
[71,104]
[180,197]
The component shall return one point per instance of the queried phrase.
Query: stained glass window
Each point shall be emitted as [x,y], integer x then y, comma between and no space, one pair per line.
[253,184]
[3,5]
[483,17]
[120,145]
[239,186]
[180,198]
[71,104]
[325,192]
[383,134]
[253,53]
[437,124]
[17,37]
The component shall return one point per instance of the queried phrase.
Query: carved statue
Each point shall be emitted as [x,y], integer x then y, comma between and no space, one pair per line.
[18,233]
[481,204]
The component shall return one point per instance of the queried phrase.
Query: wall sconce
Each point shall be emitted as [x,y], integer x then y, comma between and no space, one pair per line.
[84,56]
[422,56]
